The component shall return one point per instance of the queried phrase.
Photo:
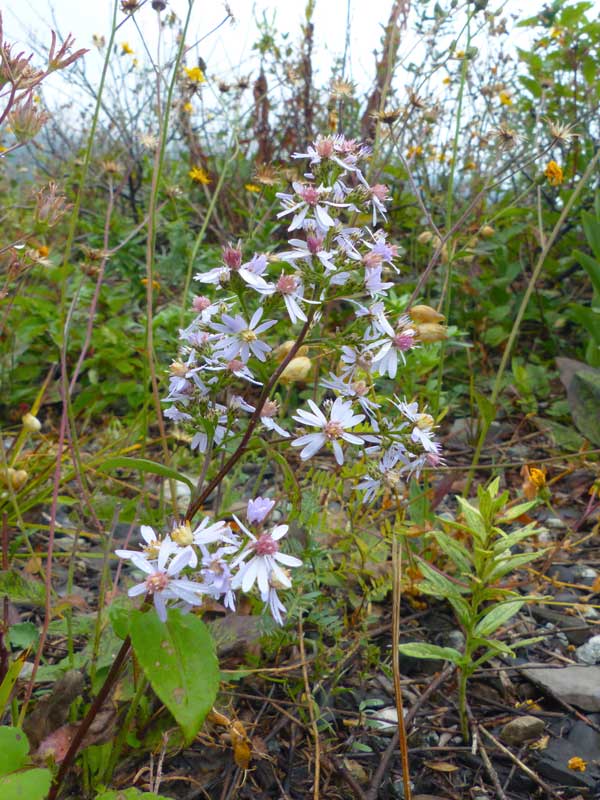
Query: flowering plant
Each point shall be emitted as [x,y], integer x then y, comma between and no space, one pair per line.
[226,357]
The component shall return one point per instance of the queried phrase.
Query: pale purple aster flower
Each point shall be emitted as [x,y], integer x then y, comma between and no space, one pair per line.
[175,415]
[357,390]
[378,194]
[308,198]
[422,433]
[392,349]
[385,472]
[235,367]
[267,416]
[354,360]
[241,338]
[271,600]
[263,566]
[373,282]
[251,272]
[309,250]
[341,417]
[291,289]
[378,322]
[162,582]
[381,250]
[258,509]
[217,575]
[208,532]
[151,546]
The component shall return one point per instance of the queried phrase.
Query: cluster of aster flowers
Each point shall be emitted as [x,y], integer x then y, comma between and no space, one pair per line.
[229,354]
[186,566]
[224,351]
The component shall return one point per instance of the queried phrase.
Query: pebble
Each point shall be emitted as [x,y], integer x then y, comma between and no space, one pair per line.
[522,729]
[576,685]
[589,653]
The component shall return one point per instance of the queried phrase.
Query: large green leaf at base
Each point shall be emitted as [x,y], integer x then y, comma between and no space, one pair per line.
[27,784]
[178,658]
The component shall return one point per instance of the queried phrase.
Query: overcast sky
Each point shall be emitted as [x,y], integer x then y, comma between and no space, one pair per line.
[229,48]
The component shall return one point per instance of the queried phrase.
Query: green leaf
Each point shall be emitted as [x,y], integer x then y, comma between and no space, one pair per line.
[591,227]
[144,465]
[14,747]
[119,613]
[510,563]
[486,408]
[8,683]
[23,635]
[473,518]
[454,550]
[33,784]
[431,651]
[178,658]
[436,583]
[130,794]
[20,589]
[495,618]
[516,511]
[592,267]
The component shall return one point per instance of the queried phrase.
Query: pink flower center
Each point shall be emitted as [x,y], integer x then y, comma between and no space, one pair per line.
[380,191]
[325,148]
[287,284]
[157,582]
[314,244]
[403,341]
[235,365]
[310,195]
[269,409]
[372,259]
[232,257]
[361,388]
[265,545]
[333,429]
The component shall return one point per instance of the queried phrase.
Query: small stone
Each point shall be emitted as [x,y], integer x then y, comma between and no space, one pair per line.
[585,574]
[456,639]
[578,686]
[522,729]
[554,522]
[589,653]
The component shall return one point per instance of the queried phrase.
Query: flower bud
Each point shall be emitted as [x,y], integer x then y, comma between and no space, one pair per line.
[281,352]
[14,477]
[431,332]
[487,231]
[425,237]
[425,314]
[297,370]
[31,423]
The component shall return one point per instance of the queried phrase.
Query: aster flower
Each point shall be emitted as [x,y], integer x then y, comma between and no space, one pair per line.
[373,282]
[258,509]
[385,472]
[378,194]
[151,546]
[357,390]
[240,338]
[267,416]
[307,200]
[309,250]
[291,289]
[353,360]
[341,417]
[264,561]
[251,272]
[385,361]
[162,583]
[217,575]
[274,604]
[422,432]
[378,322]
[208,532]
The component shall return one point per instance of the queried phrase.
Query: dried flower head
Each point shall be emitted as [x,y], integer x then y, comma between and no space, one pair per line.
[507,137]
[50,204]
[561,133]
[389,116]
[26,119]
[341,89]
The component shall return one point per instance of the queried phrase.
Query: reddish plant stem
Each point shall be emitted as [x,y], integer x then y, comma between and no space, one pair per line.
[195,505]
[89,717]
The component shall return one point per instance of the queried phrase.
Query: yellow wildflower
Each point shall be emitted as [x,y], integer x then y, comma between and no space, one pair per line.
[188,107]
[577,764]
[470,165]
[43,251]
[251,187]
[554,173]
[126,49]
[155,284]
[447,80]
[415,150]
[505,98]
[195,74]
[199,175]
